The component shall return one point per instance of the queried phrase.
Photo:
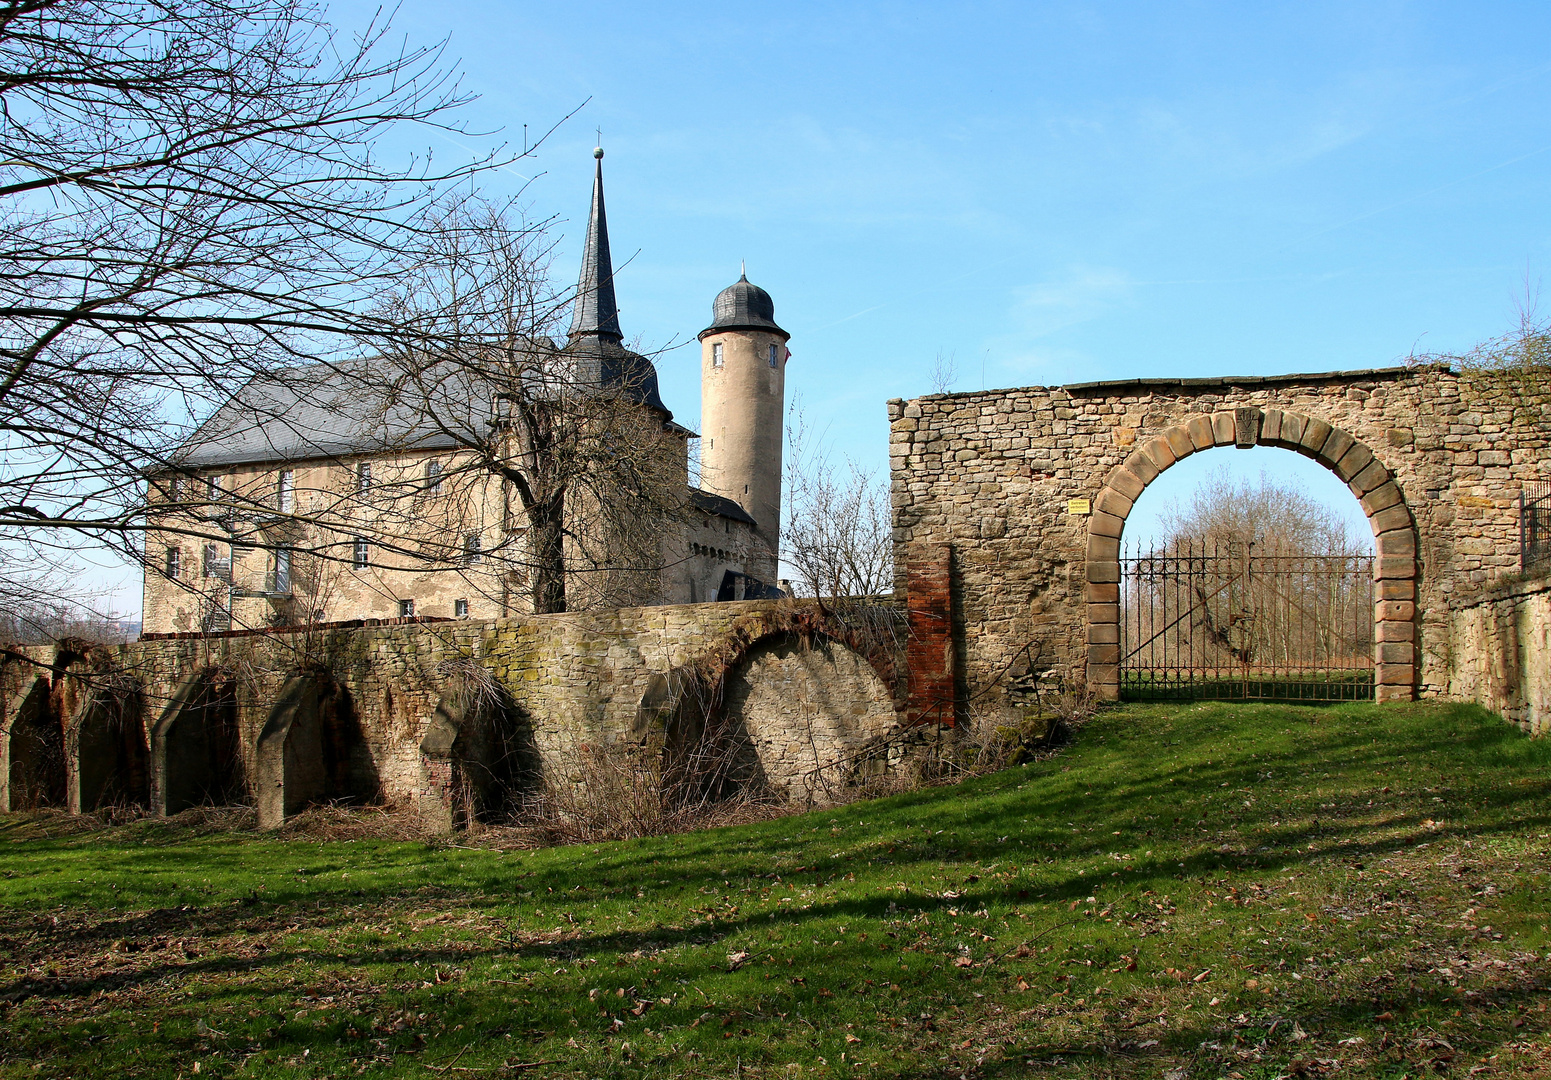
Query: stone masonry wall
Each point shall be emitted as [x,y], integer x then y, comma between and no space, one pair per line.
[1501,653]
[994,474]
[578,677]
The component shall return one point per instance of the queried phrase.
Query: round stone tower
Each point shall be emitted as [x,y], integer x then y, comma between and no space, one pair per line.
[743,411]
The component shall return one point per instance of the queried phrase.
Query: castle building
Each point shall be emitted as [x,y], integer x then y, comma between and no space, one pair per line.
[315,495]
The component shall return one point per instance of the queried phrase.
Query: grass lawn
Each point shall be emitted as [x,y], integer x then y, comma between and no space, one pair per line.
[1207,890]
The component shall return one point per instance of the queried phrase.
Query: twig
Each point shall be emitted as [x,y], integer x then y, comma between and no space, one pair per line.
[448,1067]
[750,957]
[1029,941]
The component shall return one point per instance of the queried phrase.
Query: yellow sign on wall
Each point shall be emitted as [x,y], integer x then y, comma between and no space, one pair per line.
[1079,506]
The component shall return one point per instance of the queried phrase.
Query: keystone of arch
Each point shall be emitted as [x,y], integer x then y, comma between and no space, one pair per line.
[1374,486]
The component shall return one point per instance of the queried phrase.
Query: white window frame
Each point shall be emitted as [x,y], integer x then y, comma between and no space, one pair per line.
[285,491]
[716,354]
[360,553]
[433,478]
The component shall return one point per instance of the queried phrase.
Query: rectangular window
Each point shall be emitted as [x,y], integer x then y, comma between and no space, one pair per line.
[363,477]
[212,560]
[473,549]
[460,609]
[362,554]
[281,582]
[716,355]
[406,609]
[285,491]
[175,489]
[174,563]
[213,488]
[773,356]
[433,478]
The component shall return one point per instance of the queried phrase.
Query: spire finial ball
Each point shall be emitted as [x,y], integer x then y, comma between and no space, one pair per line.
[597,151]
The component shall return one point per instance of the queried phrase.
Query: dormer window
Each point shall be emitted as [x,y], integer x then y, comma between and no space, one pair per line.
[716,355]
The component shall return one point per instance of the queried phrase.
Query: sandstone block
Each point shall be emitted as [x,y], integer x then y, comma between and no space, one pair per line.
[1271,428]
[1372,475]
[1224,429]
[1179,442]
[1103,654]
[1315,432]
[1397,542]
[1103,524]
[1199,428]
[1126,482]
[1103,547]
[1101,592]
[1353,462]
[1113,502]
[1335,446]
[1382,497]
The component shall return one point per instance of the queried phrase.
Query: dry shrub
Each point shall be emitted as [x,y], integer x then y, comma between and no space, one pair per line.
[989,740]
[332,821]
[596,793]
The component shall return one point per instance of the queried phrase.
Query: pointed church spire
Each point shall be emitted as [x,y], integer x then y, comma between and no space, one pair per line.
[597,314]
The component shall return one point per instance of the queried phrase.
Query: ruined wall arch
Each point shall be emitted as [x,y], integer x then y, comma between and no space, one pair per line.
[797,711]
[1374,485]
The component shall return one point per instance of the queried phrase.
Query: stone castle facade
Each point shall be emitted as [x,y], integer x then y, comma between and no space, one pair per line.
[313,497]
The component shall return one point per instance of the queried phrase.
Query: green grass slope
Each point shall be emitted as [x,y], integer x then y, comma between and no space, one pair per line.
[1207,890]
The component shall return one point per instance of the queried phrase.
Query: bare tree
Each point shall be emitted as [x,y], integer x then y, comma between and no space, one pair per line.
[944,373]
[191,195]
[1252,576]
[573,441]
[1223,509]
[838,532]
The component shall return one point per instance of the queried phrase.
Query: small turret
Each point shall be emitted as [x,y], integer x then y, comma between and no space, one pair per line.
[743,359]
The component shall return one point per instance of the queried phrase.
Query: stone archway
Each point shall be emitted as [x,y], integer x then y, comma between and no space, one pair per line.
[799,711]
[1395,567]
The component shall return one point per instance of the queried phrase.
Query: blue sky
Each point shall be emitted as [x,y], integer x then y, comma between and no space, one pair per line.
[1047,192]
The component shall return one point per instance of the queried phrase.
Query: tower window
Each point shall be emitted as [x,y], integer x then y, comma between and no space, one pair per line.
[773,354]
[716,355]
[285,491]
[361,555]
[174,563]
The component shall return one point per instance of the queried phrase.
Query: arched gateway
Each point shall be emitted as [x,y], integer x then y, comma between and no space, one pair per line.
[1009,507]
[1394,569]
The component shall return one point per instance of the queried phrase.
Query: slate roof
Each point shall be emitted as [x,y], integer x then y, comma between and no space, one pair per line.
[743,306]
[719,505]
[326,411]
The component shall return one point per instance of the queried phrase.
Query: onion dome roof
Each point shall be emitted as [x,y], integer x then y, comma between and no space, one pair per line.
[743,306]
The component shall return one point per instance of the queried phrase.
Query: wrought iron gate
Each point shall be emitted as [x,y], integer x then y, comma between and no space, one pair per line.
[1246,621]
